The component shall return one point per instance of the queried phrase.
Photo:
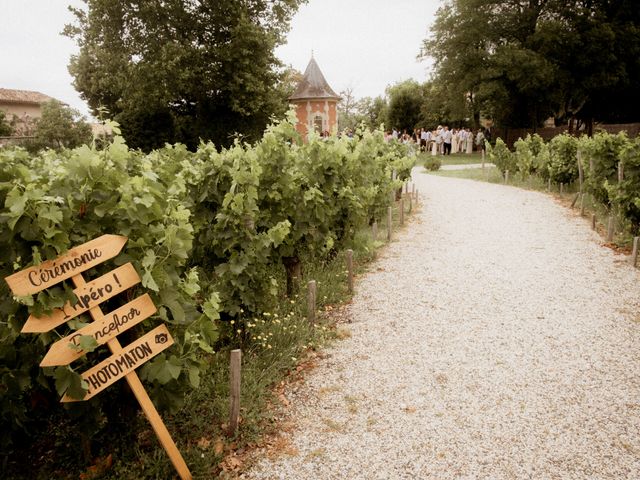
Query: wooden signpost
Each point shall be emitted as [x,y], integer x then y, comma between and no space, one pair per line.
[104,329]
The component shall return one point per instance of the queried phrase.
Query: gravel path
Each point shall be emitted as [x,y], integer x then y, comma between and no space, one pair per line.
[495,338]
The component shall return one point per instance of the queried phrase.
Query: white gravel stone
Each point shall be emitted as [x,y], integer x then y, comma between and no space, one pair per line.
[495,338]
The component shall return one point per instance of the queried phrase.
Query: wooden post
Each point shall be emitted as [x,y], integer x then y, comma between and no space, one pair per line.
[561,188]
[610,229]
[311,302]
[583,205]
[401,211]
[548,185]
[389,223]
[374,231]
[593,221]
[234,391]
[634,253]
[580,170]
[410,203]
[413,188]
[350,268]
[144,400]
[406,185]
[575,199]
[506,177]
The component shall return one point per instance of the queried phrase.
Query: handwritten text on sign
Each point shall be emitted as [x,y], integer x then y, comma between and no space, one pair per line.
[89,295]
[117,366]
[102,330]
[37,278]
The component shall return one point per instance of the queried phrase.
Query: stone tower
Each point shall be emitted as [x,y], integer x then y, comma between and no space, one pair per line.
[316,103]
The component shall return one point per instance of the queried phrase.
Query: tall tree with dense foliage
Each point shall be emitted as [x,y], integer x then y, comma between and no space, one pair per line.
[60,127]
[522,61]
[5,127]
[182,70]
[405,100]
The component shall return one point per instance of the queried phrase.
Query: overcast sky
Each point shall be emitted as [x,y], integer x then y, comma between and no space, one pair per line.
[362,44]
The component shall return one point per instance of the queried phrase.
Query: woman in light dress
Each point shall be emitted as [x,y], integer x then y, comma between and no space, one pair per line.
[469,141]
[435,145]
[454,141]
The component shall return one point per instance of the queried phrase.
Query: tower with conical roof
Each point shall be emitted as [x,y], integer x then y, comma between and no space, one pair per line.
[315,102]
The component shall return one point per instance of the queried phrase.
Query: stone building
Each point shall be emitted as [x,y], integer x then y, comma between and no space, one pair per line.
[315,102]
[21,108]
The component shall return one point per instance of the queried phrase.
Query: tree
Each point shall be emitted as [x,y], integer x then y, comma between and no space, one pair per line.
[373,111]
[367,111]
[348,117]
[60,127]
[405,100]
[195,70]
[5,127]
[519,61]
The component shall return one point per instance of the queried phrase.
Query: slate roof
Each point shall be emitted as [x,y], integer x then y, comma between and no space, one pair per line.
[313,85]
[23,96]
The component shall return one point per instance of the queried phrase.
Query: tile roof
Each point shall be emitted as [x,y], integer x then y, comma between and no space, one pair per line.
[23,96]
[313,84]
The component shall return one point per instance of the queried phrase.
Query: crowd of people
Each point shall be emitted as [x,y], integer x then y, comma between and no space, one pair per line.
[442,141]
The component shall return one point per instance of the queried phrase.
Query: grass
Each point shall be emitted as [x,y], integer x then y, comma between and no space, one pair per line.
[276,346]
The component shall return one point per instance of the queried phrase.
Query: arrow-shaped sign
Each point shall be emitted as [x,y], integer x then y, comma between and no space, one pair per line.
[77,260]
[65,351]
[89,295]
[117,366]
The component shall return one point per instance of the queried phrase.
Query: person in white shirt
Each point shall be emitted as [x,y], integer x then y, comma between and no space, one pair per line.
[424,138]
[447,136]
[462,140]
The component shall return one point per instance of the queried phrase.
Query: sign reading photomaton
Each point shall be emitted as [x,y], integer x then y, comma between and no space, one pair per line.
[105,328]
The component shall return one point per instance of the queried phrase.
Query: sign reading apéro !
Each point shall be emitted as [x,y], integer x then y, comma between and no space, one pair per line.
[89,295]
[117,366]
[65,351]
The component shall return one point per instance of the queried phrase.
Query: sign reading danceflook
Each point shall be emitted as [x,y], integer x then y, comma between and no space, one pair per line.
[105,327]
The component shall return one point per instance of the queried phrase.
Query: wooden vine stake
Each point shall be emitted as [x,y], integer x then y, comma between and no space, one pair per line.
[593,221]
[350,270]
[634,253]
[104,329]
[401,211]
[611,230]
[374,231]
[389,223]
[234,379]
[311,301]
[575,199]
